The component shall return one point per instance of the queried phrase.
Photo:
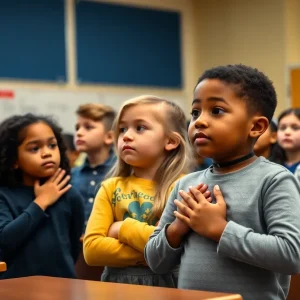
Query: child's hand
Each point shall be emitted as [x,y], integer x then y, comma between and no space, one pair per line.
[203,188]
[181,227]
[52,189]
[208,220]
[114,229]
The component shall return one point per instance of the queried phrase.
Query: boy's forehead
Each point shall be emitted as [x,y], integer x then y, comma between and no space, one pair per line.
[214,88]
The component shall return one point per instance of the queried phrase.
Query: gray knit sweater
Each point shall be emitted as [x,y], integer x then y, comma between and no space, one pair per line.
[260,245]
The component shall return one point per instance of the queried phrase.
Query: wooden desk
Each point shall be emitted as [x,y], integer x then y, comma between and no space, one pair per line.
[46,288]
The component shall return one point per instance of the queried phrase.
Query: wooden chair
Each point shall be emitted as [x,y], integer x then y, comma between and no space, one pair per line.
[3,267]
[294,292]
[86,272]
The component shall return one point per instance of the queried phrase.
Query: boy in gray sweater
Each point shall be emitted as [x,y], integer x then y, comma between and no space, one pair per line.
[247,240]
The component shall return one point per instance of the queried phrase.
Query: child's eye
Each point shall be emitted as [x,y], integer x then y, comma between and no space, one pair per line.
[195,113]
[122,130]
[295,127]
[53,145]
[140,128]
[217,111]
[282,128]
[34,149]
[88,127]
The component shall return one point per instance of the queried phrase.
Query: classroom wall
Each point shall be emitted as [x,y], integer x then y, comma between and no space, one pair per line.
[241,31]
[261,33]
[181,95]
[292,31]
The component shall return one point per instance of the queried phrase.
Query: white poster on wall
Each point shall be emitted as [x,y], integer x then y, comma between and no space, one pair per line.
[60,104]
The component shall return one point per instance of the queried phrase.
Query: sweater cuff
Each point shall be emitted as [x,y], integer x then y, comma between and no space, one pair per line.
[165,240]
[36,213]
[232,232]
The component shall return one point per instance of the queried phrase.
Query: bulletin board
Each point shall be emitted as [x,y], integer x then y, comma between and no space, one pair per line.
[127,45]
[32,40]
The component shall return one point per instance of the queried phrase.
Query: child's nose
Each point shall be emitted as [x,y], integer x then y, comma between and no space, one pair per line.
[201,121]
[79,132]
[46,153]
[127,136]
[288,130]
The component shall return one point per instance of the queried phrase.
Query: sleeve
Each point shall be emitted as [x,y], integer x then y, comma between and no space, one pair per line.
[77,223]
[15,231]
[297,173]
[98,248]
[135,233]
[279,249]
[159,255]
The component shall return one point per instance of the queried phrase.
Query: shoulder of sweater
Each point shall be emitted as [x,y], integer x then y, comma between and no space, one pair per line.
[271,167]
[72,194]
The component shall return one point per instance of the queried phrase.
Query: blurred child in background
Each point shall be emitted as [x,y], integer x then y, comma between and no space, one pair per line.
[41,215]
[288,138]
[95,138]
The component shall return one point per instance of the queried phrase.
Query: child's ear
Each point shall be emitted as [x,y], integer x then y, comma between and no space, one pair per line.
[259,126]
[109,137]
[173,141]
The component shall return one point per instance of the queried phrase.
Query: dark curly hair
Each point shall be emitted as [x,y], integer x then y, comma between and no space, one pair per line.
[250,84]
[11,136]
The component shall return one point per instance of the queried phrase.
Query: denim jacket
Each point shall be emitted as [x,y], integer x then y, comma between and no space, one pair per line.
[87,181]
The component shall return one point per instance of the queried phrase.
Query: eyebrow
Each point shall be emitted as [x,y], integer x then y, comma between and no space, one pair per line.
[134,121]
[211,99]
[38,141]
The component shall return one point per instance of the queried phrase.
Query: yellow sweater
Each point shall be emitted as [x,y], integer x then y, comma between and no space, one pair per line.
[129,199]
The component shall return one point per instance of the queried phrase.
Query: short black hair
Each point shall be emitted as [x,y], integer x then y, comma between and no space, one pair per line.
[11,137]
[252,85]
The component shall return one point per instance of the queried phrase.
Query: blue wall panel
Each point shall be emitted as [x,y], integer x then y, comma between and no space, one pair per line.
[32,40]
[128,45]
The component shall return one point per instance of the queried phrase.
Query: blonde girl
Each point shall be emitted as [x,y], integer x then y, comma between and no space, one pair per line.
[152,153]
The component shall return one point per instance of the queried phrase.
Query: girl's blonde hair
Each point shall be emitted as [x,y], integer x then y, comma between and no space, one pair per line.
[177,161]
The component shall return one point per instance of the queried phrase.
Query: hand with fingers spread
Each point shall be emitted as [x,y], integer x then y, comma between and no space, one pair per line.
[52,189]
[178,229]
[205,218]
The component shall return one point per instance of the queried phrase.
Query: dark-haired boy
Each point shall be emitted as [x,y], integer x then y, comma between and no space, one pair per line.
[248,240]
